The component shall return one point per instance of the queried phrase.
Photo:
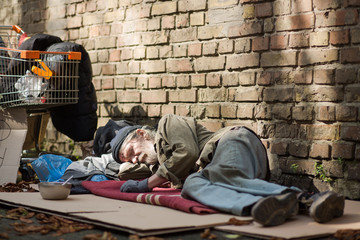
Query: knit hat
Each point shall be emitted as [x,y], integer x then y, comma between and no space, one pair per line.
[118,140]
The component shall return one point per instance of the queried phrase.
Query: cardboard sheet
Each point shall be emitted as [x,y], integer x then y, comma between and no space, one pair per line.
[302,226]
[116,214]
[13,129]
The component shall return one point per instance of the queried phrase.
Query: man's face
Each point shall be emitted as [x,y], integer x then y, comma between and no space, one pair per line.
[138,151]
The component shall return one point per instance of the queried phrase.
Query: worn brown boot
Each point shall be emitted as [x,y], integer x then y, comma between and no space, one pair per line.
[326,206]
[274,210]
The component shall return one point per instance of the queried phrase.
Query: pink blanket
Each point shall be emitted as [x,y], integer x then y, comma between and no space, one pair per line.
[167,197]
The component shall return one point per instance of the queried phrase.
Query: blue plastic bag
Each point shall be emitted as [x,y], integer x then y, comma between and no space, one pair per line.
[50,167]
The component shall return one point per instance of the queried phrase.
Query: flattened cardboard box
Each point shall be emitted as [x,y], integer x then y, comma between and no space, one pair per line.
[13,129]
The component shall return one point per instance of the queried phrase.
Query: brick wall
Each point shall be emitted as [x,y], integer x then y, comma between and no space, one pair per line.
[286,69]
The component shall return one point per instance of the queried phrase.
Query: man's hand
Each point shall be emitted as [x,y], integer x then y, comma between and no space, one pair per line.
[135,186]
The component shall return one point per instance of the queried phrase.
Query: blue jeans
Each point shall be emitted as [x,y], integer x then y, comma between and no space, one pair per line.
[234,180]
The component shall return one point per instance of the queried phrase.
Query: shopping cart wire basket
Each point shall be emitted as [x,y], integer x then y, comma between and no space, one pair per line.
[35,79]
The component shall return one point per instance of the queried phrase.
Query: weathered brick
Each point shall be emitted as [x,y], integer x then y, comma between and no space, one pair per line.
[322,132]
[212,111]
[318,39]
[351,133]
[320,150]
[333,168]
[139,11]
[282,7]
[128,96]
[239,61]
[245,29]
[350,55]
[263,10]
[129,40]
[213,80]
[346,76]
[337,18]
[189,5]
[324,76]
[312,56]
[298,149]
[248,11]
[197,19]
[209,63]
[265,78]
[165,51]
[209,32]
[320,94]
[245,111]
[281,111]
[295,22]
[184,95]
[179,50]
[352,93]
[155,82]
[248,94]
[153,66]
[246,78]
[106,96]
[221,3]
[108,69]
[326,4]
[342,150]
[285,130]
[228,110]
[153,38]
[126,54]
[325,113]
[303,77]
[154,111]
[198,80]
[302,113]
[153,24]
[74,22]
[282,58]
[301,6]
[226,46]
[183,35]
[154,96]
[134,67]
[279,94]
[242,45]
[168,22]
[139,53]
[194,49]
[167,109]
[299,40]
[183,81]
[181,65]
[346,113]
[339,37]
[260,44]
[168,81]
[212,95]
[209,48]
[279,148]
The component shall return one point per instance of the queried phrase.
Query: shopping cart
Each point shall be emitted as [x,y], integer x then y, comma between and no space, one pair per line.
[35,80]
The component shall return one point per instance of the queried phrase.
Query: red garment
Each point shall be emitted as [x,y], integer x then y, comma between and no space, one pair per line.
[167,197]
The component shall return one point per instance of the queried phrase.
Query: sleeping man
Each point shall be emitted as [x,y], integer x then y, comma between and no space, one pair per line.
[226,170]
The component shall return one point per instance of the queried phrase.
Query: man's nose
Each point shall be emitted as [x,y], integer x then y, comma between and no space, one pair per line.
[134,159]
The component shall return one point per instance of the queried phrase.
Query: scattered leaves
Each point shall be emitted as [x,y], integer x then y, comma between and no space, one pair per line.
[17,187]
[4,235]
[347,234]
[95,236]
[207,234]
[237,222]
[136,237]
[45,224]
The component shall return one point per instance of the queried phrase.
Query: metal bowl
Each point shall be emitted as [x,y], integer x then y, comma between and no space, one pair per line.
[54,190]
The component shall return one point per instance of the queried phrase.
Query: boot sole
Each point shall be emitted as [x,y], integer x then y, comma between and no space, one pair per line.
[327,207]
[274,210]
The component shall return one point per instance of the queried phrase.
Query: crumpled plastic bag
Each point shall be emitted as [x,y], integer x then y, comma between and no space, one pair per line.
[30,86]
[50,167]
